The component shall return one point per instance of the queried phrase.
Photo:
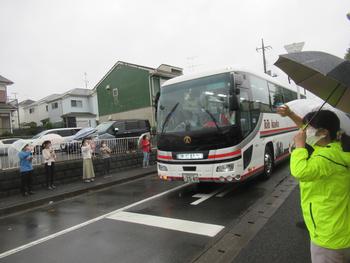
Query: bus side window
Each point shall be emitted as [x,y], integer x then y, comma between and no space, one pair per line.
[276,96]
[289,95]
[260,94]
[245,105]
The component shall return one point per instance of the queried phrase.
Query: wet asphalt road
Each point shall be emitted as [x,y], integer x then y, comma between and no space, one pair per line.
[172,227]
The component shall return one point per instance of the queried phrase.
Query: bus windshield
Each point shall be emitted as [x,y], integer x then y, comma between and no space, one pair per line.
[196,104]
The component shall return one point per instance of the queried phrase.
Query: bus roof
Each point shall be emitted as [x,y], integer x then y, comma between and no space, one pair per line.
[226,70]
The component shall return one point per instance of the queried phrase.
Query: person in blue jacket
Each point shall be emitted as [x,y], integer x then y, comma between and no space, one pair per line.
[26,170]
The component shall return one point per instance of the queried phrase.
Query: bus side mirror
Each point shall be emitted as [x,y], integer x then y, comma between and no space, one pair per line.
[238,79]
[234,104]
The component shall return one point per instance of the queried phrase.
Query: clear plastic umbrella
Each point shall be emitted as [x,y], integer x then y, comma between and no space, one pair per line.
[13,151]
[55,139]
[304,106]
[140,138]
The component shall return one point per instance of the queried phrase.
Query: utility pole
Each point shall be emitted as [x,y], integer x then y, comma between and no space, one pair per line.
[17,105]
[263,47]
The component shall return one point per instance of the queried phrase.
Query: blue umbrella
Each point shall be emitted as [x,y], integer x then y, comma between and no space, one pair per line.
[83,133]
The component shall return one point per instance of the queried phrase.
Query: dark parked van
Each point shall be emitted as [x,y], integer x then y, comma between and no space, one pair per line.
[122,128]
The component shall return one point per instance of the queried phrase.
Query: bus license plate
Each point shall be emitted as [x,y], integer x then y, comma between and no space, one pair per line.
[189,156]
[190,178]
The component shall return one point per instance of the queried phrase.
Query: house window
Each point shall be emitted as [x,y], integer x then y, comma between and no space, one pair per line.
[76,103]
[115,92]
[54,105]
[31,110]
[47,107]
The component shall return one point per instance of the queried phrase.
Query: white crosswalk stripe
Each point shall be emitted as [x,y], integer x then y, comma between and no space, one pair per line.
[187,226]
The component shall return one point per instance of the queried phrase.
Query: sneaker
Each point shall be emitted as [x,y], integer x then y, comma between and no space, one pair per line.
[92,179]
[49,188]
[53,186]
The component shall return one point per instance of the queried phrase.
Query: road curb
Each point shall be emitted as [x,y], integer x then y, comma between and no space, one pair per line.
[9,210]
[228,246]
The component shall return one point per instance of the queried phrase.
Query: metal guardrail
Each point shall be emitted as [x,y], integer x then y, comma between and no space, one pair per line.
[72,151]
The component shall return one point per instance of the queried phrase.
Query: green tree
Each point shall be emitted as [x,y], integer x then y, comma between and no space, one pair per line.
[347,55]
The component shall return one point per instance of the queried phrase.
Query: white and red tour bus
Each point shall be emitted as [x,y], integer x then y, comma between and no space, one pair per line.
[222,126]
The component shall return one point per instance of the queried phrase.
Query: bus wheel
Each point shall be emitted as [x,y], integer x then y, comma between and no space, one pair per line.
[268,163]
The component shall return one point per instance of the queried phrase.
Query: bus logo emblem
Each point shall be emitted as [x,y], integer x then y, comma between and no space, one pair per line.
[187,139]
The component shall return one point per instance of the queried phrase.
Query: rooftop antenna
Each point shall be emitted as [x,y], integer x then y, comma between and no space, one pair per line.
[86,80]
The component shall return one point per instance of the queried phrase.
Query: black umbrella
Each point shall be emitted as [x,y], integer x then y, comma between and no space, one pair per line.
[325,75]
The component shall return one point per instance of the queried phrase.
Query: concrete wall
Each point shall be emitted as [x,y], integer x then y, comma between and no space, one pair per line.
[67,172]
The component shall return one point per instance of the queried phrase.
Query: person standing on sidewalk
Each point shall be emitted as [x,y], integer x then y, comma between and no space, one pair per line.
[324,179]
[26,170]
[49,157]
[88,168]
[146,149]
[105,152]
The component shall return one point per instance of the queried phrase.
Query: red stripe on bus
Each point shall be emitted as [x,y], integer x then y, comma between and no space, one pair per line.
[175,178]
[224,154]
[253,171]
[282,156]
[278,130]
[165,157]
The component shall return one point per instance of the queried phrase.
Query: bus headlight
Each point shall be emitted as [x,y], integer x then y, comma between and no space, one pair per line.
[225,168]
[162,167]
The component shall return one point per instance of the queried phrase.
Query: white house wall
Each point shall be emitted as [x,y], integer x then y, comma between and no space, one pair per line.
[67,107]
[55,114]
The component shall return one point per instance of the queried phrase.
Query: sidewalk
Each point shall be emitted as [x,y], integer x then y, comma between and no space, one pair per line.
[279,240]
[43,196]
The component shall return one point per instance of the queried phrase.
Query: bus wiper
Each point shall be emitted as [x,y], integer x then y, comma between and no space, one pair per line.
[167,118]
[214,120]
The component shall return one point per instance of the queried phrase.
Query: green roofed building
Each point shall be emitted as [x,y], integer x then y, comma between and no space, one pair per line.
[128,91]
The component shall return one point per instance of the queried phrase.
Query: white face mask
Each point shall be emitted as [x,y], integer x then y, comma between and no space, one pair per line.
[311,137]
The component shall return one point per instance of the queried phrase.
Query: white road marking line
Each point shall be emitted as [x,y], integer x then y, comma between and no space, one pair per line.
[222,194]
[203,197]
[62,232]
[192,227]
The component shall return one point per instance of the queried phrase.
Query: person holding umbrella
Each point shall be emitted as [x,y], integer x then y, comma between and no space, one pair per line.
[324,179]
[26,170]
[88,168]
[49,157]
[105,152]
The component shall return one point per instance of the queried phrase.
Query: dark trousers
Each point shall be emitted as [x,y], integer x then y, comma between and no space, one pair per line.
[50,171]
[107,165]
[26,182]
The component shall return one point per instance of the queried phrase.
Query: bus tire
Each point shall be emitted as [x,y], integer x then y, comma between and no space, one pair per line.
[268,163]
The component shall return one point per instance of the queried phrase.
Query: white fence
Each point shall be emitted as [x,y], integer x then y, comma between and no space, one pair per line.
[72,151]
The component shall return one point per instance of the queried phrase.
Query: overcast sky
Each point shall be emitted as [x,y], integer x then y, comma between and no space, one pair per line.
[46,45]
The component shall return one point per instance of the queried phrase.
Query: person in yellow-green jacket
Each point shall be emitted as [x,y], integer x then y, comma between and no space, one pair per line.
[324,179]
